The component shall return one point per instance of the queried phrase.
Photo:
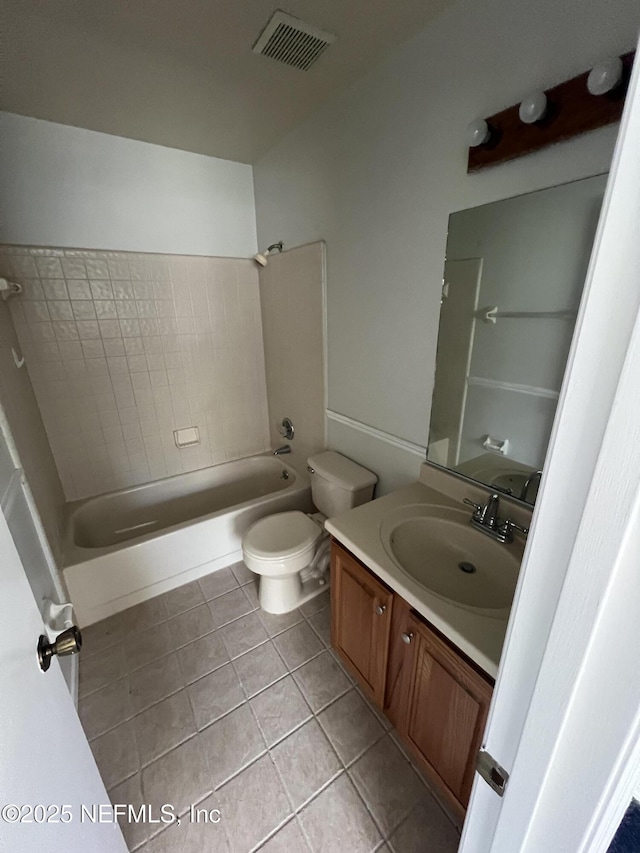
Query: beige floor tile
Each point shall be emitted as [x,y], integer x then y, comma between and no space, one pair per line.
[105,708]
[280,709]
[163,726]
[337,821]
[228,607]
[130,793]
[102,635]
[259,668]
[215,695]
[147,717]
[190,626]
[253,804]
[350,726]
[315,604]
[306,762]
[192,836]
[218,583]
[251,591]
[116,754]
[202,657]
[298,645]
[321,681]
[289,839]
[242,574]
[243,635]
[321,624]
[154,682]
[99,670]
[183,598]
[231,743]
[181,777]
[145,615]
[387,783]
[426,828]
[377,713]
[276,623]
[148,646]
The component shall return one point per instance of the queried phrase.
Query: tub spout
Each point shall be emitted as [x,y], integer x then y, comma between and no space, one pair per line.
[281,450]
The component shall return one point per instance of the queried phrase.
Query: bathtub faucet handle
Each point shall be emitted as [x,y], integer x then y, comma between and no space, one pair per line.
[286,429]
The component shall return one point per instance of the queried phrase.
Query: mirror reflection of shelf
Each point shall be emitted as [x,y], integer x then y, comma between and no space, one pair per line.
[491,314]
[518,388]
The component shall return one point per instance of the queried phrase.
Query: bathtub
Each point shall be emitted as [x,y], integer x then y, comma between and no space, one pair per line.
[127,546]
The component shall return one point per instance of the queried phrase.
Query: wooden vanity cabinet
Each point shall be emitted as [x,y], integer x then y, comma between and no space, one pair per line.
[437,700]
[445,703]
[361,608]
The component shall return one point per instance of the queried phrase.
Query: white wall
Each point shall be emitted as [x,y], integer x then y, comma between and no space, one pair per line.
[377,172]
[64,186]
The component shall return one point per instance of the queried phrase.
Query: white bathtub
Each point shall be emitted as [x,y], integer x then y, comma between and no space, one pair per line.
[124,547]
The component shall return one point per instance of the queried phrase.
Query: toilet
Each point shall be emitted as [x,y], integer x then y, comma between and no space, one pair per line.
[290,550]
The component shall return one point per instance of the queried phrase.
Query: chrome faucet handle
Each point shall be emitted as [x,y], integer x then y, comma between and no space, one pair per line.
[511,525]
[478,507]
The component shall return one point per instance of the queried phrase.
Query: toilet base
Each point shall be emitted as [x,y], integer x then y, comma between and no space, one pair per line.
[282,595]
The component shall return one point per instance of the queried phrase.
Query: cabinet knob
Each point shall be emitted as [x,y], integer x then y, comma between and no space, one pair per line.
[406,638]
[380,609]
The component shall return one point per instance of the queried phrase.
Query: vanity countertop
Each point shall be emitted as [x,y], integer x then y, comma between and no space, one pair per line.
[479,636]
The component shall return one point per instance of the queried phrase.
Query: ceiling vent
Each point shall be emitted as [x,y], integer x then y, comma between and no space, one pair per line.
[292,41]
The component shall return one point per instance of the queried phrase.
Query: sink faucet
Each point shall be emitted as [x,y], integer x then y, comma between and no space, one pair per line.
[281,450]
[535,475]
[485,518]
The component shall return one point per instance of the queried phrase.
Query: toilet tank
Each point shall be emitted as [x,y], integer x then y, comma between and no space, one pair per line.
[338,483]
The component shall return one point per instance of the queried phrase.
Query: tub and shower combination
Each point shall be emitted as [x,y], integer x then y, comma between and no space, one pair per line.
[124,547]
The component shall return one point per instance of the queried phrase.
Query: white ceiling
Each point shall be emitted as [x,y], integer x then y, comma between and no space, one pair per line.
[181,73]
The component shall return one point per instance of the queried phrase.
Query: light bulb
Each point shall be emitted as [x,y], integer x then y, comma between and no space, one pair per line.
[605,76]
[533,107]
[477,133]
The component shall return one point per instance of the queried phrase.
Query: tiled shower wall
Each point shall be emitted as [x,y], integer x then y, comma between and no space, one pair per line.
[123,348]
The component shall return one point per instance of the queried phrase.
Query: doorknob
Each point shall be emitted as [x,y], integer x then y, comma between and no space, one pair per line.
[380,609]
[69,642]
[407,637]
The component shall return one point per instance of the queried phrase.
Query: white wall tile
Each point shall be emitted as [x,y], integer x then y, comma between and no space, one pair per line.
[122,351]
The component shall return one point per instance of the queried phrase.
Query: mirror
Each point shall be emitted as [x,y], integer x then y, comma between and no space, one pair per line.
[513,278]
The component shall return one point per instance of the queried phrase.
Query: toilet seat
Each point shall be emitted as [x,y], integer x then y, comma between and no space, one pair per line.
[281,544]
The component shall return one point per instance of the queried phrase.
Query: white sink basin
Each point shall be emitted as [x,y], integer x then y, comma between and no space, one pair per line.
[438,548]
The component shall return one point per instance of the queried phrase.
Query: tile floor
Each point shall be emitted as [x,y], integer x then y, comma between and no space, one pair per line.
[198,697]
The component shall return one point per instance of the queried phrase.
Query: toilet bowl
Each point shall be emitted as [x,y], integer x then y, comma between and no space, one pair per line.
[289,551]
[279,548]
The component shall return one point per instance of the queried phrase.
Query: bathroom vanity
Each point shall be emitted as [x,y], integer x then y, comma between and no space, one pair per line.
[426,660]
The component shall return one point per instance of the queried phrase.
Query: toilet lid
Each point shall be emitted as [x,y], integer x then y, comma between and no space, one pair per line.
[279,536]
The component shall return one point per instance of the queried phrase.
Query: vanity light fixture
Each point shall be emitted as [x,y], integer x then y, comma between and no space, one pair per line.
[554,115]
[477,133]
[605,76]
[533,107]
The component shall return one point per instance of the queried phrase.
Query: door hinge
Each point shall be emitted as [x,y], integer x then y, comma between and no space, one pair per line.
[495,776]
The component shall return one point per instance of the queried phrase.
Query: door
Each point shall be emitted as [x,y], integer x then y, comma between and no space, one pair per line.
[564,720]
[47,771]
[360,621]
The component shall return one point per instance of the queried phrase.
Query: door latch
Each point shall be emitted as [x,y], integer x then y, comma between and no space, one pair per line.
[493,774]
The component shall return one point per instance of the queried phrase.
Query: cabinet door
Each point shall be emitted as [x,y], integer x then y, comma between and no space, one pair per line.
[361,619]
[447,713]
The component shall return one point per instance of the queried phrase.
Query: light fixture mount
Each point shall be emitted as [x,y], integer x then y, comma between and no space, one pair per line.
[571,109]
